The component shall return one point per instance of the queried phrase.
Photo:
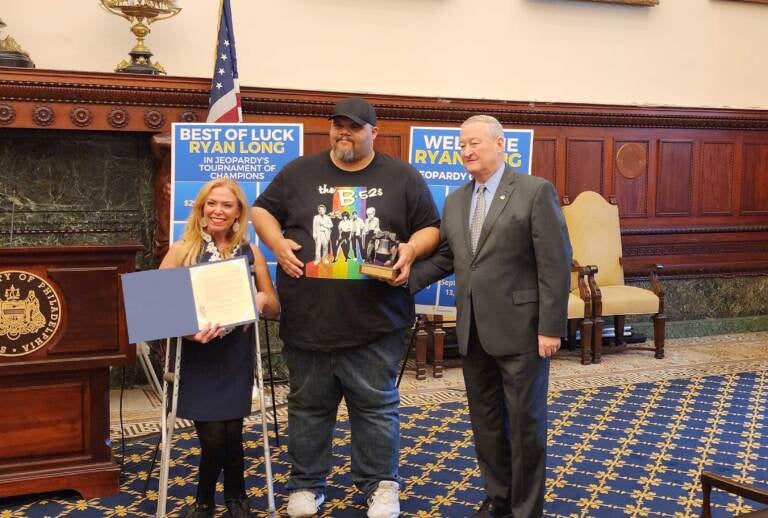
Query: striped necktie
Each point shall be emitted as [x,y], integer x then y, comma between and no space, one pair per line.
[478,216]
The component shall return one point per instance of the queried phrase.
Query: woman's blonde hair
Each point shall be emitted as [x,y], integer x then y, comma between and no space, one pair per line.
[192,240]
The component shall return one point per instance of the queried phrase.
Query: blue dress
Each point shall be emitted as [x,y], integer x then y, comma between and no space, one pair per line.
[217,377]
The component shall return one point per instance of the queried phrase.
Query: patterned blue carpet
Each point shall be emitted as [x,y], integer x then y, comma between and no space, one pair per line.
[632,450]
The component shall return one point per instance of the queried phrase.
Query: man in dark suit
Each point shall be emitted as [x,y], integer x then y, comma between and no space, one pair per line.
[505,238]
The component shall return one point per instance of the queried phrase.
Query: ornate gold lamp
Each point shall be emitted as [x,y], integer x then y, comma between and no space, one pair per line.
[11,53]
[141,13]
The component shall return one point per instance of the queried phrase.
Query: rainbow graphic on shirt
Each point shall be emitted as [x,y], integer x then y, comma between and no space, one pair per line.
[344,255]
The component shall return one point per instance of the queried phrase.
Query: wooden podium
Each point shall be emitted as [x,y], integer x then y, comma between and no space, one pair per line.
[62,326]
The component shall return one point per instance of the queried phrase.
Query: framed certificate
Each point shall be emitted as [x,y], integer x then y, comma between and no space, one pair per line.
[223,293]
[181,301]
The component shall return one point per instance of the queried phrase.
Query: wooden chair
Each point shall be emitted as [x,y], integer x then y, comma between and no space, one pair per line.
[430,340]
[580,309]
[595,233]
[750,492]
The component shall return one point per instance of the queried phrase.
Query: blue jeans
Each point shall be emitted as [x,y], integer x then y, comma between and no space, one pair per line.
[366,377]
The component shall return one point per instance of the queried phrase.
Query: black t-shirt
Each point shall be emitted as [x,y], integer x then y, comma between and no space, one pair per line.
[332,305]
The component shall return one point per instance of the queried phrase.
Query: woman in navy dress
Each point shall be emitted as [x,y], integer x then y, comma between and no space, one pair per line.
[217,363]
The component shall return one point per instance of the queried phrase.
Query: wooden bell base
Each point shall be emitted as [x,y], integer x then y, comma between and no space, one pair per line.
[385,273]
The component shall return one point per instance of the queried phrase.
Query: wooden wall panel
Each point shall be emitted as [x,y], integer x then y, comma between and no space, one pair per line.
[717,178]
[674,184]
[584,167]
[704,183]
[389,144]
[630,178]
[314,142]
[544,159]
[754,186]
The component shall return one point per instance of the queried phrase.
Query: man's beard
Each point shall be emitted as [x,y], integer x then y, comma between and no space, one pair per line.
[344,155]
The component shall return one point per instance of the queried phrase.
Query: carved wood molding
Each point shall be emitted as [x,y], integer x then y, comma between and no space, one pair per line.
[695,248]
[691,271]
[102,93]
[172,96]
[32,98]
[692,230]
[527,114]
[48,222]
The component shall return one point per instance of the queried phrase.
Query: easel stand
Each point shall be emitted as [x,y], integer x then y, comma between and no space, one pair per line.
[142,352]
[168,421]
[171,380]
[272,383]
[271,510]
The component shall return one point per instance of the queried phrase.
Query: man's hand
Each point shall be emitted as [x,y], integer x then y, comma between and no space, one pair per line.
[548,345]
[284,253]
[406,254]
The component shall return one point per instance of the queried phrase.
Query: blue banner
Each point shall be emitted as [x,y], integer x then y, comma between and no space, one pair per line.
[436,154]
[251,154]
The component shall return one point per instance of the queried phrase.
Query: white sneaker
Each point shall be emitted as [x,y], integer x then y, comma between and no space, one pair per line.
[385,501]
[304,503]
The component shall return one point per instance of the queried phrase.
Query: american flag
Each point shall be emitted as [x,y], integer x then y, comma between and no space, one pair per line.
[225,105]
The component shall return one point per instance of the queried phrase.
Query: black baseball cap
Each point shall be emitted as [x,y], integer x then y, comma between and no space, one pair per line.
[355,108]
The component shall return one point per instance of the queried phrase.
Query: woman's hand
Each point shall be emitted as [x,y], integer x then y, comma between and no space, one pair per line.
[207,333]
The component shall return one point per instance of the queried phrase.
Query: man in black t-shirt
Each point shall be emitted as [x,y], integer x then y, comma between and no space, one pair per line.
[351,344]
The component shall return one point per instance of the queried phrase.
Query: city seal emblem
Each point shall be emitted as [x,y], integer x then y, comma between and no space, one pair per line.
[30,312]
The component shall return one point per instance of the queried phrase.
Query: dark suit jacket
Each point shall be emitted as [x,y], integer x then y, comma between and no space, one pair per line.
[519,278]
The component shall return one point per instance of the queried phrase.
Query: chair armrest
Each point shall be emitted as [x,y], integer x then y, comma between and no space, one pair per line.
[586,279]
[594,289]
[575,266]
[748,491]
[655,270]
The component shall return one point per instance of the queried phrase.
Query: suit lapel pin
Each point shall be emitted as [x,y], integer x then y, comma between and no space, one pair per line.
[502,196]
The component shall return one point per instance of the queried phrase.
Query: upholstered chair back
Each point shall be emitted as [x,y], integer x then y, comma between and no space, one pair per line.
[593,226]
